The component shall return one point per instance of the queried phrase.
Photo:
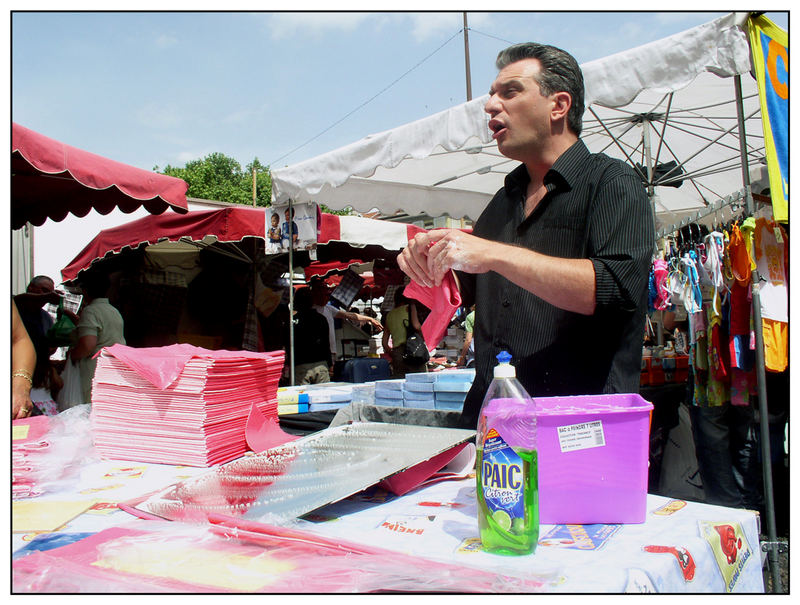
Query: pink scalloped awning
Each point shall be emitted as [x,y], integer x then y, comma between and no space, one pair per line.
[50,180]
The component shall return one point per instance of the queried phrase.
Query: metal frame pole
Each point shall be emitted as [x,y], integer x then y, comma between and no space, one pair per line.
[766,456]
[291,296]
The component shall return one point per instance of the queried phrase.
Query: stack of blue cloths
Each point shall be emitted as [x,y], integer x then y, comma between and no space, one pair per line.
[418,390]
[451,388]
[389,392]
[329,396]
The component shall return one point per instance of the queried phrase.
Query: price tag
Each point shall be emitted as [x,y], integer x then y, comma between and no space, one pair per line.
[581,436]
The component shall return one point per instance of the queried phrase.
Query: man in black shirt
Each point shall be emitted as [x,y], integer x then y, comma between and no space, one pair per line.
[558,262]
[312,355]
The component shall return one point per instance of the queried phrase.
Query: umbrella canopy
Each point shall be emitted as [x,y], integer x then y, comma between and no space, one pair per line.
[50,179]
[341,238]
[672,100]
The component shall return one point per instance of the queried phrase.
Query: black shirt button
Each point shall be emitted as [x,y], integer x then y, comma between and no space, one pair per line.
[506,303]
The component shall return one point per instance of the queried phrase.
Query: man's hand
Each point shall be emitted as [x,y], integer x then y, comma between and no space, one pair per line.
[429,256]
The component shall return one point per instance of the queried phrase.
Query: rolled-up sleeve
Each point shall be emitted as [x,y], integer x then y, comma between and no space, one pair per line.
[621,241]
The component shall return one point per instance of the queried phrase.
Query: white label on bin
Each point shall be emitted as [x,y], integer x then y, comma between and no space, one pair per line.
[581,436]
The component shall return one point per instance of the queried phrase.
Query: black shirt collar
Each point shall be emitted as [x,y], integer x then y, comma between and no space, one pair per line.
[566,170]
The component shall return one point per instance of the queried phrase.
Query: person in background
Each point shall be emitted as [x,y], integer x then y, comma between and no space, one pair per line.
[312,356]
[289,232]
[467,357]
[46,381]
[561,255]
[23,364]
[403,314]
[274,235]
[100,325]
[320,297]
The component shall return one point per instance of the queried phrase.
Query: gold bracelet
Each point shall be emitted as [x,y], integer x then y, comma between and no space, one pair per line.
[23,374]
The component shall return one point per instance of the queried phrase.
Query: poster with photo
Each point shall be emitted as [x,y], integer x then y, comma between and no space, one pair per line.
[298,230]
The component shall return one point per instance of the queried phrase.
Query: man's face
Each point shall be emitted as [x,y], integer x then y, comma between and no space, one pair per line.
[520,115]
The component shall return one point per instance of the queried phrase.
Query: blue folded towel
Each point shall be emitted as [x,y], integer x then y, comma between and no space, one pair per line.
[422,377]
[389,385]
[393,403]
[452,386]
[419,387]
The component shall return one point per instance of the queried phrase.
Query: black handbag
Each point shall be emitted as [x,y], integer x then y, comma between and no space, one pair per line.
[61,333]
[416,352]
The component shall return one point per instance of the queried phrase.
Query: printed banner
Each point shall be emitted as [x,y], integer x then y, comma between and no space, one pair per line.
[298,230]
[770,48]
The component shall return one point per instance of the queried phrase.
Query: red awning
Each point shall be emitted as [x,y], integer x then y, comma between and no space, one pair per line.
[50,179]
[233,224]
[226,224]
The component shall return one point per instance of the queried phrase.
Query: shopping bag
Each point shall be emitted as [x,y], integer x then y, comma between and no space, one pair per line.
[71,394]
[416,351]
[61,332]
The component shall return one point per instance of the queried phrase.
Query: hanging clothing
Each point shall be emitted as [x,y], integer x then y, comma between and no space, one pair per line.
[771,262]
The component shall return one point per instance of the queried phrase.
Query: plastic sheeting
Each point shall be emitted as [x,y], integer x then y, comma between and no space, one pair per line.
[161,557]
[296,478]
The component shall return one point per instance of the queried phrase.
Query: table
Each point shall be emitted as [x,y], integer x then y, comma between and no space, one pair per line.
[682,547]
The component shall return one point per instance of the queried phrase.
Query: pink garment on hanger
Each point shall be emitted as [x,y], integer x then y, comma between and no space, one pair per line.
[660,272]
[443,303]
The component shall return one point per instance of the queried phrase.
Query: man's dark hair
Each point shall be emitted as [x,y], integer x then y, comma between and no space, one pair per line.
[41,281]
[302,299]
[560,73]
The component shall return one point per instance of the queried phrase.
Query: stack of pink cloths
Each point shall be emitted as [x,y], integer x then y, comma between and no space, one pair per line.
[180,404]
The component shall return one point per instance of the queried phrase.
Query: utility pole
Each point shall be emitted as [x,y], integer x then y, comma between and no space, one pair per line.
[466,59]
[254,185]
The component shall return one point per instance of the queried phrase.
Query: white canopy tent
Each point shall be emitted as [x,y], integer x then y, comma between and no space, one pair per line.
[670,100]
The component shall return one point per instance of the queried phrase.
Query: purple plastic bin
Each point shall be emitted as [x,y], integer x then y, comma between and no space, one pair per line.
[592,454]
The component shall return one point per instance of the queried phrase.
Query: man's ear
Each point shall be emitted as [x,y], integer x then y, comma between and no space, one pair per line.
[562,101]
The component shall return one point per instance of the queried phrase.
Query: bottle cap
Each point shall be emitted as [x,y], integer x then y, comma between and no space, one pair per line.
[504,369]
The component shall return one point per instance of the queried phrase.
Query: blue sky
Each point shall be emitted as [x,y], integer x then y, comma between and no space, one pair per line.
[151,89]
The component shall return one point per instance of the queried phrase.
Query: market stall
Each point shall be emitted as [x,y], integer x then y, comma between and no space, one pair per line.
[204,277]
[683,111]
[81,533]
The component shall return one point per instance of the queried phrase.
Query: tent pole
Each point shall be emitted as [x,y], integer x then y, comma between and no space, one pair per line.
[291,297]
[651,191]
[766,456]
[466,59]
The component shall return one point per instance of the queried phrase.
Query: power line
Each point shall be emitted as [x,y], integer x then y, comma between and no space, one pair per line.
[375,96]
[490,36]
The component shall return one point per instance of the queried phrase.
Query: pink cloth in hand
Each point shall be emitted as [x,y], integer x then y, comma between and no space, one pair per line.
[443,301]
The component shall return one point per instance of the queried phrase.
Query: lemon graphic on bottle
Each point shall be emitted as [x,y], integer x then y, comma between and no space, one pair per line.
[503,519]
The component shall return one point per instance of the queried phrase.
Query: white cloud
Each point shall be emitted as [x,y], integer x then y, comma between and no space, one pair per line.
[434,25]
[690,19]
[422,26]
[166,41]
[289,25]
